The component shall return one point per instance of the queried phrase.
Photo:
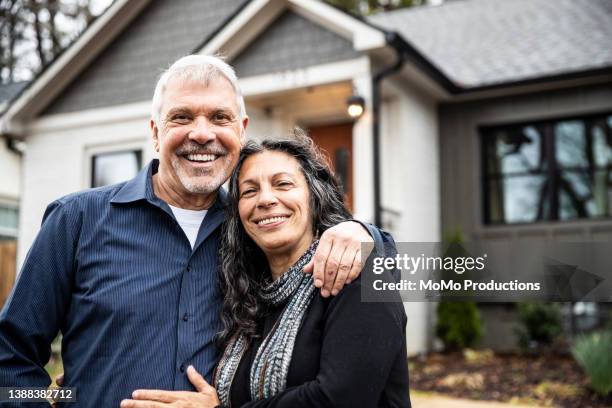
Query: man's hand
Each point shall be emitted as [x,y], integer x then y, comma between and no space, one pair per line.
[206,397]
[338,257]
[59,380]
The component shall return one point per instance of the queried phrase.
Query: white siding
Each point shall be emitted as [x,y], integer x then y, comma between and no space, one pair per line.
[10,172]
[411,185]
[57,161]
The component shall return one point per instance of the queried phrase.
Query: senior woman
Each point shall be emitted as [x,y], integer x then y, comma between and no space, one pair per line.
[284,344]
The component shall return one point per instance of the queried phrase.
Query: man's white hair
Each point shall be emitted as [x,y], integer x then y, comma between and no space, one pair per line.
[197,68]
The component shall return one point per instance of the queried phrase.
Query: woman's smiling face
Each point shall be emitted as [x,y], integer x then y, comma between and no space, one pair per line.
[274,203]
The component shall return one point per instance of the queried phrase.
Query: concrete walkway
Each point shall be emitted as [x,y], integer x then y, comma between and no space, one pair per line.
[432,401]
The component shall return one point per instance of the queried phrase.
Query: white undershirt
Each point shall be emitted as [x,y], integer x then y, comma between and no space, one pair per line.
[190,221]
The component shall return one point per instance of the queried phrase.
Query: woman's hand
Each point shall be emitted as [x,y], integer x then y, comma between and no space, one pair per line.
[206,397]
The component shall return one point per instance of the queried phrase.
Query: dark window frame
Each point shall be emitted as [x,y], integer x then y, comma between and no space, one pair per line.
[94,156]
[552,171]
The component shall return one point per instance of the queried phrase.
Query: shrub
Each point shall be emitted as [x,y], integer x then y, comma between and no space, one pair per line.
[594,353]
[458,324]
[540,324]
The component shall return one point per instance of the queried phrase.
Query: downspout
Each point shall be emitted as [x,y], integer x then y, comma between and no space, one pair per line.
[12,143]
[392,39]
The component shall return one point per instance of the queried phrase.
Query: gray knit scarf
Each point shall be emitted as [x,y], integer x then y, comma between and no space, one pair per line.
[268,374]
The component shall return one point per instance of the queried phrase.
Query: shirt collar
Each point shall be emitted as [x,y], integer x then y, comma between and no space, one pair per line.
[141,188]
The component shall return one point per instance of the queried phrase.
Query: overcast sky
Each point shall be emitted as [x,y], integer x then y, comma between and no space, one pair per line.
[26,50]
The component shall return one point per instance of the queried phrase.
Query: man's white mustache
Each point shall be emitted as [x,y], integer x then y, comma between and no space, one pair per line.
[200,150]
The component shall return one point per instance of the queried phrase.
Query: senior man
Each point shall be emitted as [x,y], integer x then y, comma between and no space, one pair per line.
[128,273]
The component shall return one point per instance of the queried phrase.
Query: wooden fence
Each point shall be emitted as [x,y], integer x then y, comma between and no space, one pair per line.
[8,261]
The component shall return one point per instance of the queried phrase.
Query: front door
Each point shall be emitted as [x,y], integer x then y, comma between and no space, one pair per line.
[337,142]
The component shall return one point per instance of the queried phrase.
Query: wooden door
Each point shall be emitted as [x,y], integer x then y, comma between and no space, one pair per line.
[337,142]
[8,258]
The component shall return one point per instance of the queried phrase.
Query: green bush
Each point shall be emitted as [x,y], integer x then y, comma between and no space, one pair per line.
[594,353]
[540,324]
[458,325]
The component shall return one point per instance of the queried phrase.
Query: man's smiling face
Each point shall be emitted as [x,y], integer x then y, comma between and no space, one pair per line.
[199,135]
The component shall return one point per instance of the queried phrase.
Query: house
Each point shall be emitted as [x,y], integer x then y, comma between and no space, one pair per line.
[10,170]
[484,91]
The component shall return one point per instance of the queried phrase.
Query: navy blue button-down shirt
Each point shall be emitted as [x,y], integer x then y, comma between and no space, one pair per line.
[114,272]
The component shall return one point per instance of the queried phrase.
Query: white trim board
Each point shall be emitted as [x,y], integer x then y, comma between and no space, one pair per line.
[364,36]
[9,201]
[259,14]
[96,116]
[267,84]
[243,28]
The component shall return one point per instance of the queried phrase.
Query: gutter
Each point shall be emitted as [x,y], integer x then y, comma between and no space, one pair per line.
[15,146]
[393,40]
[415,57]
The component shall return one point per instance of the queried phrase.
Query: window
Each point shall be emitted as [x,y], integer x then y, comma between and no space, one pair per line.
[114,167]
[9,218]
[553,170]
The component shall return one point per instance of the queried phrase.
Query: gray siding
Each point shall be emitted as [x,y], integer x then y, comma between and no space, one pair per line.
[292,42]
[128,69]
[461,184]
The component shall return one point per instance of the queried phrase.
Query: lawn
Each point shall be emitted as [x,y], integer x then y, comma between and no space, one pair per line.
[547,380]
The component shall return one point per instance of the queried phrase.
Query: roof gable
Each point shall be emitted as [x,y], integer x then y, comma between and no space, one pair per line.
[118,58]
[127,70]
[258,15]
[291,42]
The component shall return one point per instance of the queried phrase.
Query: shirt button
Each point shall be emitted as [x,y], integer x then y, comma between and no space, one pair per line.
[182,368]
[185,318]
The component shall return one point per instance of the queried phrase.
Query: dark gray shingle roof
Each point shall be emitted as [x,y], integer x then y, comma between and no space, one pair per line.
[8,92]
[485,42]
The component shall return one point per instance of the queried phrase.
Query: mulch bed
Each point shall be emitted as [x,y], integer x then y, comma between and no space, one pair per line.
[546,380]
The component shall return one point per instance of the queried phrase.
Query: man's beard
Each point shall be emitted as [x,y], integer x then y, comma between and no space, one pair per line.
[197,180]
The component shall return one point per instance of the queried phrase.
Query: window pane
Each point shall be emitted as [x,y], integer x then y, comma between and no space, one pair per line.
[554,170]
[111,168]
[571,144]
[518,199]
[584,194]
[515,150]
[9,219]
[602,141]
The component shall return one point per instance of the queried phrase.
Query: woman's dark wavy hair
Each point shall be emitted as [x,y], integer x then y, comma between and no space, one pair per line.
[243,265]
